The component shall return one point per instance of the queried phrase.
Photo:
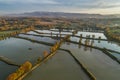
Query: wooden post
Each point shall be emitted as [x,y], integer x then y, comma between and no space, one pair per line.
[51,34]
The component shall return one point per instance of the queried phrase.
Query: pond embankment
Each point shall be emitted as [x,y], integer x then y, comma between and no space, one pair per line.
[8,61]
[104,50]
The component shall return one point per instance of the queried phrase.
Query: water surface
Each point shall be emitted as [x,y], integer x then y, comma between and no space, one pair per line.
[101,65]
[5,70]
[60,67]
[18,50]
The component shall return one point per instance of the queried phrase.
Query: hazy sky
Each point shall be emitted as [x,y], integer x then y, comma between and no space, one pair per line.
[74,6]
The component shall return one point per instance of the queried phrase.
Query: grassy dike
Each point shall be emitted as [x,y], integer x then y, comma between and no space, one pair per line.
[8,61]
[47,55]
[40,42]
[104,50]
[112,36]
[48,33]
[37,65]
[53,37]
[53,50]
[91,38]
[110,55]
[90,74]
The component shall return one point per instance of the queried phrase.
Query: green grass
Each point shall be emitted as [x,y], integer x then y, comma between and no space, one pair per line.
[7,32]
[115,31]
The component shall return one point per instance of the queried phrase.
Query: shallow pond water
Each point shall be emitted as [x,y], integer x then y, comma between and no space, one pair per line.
[116,55]
[38,38]
[32,32]
[5,70]
[101,65]
[48,34]
[62,30]
[100,43]
[60,67]
[54,32]
[84,34]
[18,50]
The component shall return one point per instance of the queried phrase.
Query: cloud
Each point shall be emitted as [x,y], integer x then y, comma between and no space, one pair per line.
[60,5]
[68,3]
[98,5]
[90,4]
[107,4]
[28,1]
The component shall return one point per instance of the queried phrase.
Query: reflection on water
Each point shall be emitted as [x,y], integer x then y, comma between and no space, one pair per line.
[31,32]
[49,34]
[54,32]
[38,38]
[96,35]
[66,30]
[18,50]
[102,66]
[116,55]
[5,70]
[60,67]
[98,43]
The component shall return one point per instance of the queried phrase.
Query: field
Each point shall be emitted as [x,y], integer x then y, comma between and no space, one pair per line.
[115,31]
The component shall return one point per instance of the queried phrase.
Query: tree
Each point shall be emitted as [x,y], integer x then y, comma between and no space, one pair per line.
[27,66]
[45,53]
[20,71]
[12,76]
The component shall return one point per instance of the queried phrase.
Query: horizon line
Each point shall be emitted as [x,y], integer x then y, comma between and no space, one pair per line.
[57,12]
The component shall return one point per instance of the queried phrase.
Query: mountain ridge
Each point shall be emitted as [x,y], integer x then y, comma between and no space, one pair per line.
[63,14]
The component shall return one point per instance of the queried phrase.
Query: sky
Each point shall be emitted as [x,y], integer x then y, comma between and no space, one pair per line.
[69,6]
